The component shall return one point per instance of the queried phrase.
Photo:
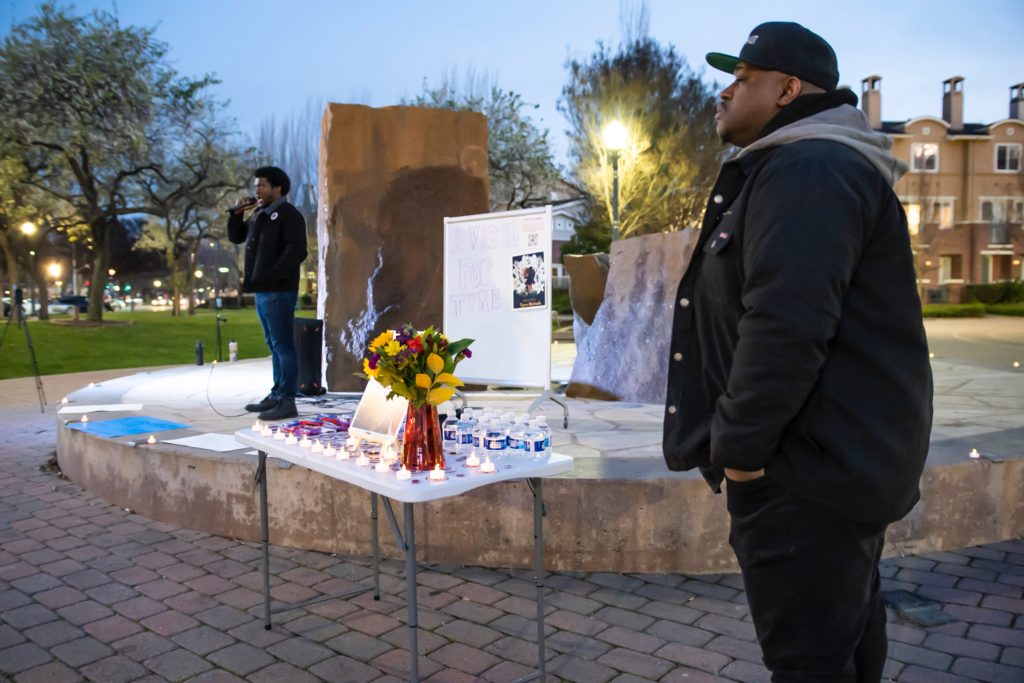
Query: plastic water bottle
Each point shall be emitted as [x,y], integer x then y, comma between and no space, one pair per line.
[507,422]
[535,440]
[450,429]
[542,423]
[495,438]
[464,430]
[232,350]
[515,436]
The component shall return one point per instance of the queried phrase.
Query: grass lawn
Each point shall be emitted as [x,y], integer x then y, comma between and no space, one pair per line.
[1006,309]
[973,310]
[149,338]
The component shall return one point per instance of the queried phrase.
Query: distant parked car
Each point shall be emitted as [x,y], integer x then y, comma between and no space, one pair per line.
[57,308]
[7,306]
[112,303]
[78,301]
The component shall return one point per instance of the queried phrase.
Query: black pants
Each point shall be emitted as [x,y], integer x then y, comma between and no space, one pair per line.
[812,584]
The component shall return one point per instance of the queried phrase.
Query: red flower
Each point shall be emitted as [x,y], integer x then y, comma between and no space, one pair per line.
[415,344]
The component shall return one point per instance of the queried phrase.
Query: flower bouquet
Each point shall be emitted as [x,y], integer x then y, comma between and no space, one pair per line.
[419,367]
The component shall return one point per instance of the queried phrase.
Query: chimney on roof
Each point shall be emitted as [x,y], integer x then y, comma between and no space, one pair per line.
[1017,101]
[953,102]
[871,100]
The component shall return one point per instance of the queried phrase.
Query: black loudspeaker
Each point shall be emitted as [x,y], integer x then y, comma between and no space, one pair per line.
[309,335]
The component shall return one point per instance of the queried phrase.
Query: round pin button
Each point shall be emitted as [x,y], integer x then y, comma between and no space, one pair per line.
[671,410]
[718,199]
[684,302]
[677,356]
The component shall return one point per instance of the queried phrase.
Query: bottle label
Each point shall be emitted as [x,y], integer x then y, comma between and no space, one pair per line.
[496,443]
[535,445]
[450,433]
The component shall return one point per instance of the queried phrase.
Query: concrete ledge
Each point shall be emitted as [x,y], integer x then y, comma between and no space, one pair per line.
[631,522]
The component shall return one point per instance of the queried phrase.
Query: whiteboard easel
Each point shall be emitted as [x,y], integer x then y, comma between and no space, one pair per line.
[497,291]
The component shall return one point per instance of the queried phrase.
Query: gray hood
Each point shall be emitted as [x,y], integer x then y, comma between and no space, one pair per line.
[846,125]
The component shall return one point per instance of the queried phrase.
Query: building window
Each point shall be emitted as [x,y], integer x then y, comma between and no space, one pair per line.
[924,157]
[1002,210]
[951,268]
[913,212]
[1008,158]
[941,213]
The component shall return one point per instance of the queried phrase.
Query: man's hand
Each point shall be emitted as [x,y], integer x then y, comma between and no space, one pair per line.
[742,475]
[243,203]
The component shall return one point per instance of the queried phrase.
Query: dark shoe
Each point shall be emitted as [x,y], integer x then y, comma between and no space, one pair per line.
[268,402]
[282,411]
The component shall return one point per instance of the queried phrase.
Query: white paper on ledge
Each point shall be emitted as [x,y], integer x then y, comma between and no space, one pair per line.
[210,442]
[104,408]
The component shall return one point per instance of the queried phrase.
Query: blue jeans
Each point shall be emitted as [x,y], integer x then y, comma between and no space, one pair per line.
[276,311]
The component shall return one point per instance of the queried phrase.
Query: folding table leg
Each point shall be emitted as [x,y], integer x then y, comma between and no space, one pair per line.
[261,476]
[410,590]
[538,567]
[376,546]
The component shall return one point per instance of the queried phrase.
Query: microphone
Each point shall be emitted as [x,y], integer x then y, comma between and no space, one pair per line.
[249,202]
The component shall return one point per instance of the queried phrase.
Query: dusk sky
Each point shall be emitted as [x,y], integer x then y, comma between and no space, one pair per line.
[274,57]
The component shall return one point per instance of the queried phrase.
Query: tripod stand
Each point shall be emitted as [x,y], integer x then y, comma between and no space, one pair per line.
[16,311]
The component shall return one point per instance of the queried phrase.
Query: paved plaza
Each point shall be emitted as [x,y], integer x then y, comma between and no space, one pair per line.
[90,591]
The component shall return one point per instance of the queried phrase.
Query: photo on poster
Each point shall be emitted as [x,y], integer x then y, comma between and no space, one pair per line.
[529,281]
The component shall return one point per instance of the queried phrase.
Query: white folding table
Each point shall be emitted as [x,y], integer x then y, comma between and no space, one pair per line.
[419,489]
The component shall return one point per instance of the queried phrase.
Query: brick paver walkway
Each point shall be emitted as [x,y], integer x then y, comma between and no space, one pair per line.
[89,591]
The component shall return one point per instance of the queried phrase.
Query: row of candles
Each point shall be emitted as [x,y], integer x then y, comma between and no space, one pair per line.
[388,454]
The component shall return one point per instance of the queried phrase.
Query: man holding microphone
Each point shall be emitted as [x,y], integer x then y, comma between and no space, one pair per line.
[275,247]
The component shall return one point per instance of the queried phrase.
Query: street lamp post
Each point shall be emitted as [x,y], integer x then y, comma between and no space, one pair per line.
[29,230]
[615,138]
[74,266]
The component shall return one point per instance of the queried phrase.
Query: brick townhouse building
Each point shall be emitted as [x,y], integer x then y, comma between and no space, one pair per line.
[964,194]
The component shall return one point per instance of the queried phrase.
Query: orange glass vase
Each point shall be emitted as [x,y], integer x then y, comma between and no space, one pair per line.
[421,445]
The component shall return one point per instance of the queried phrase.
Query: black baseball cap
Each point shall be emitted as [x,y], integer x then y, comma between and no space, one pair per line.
[787,47]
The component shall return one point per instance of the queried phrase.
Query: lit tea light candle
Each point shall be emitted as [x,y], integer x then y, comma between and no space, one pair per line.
[64,400]
[317,447]
[151,440]
[352,442]
[85,420]
[389,454]
[305,443]
[342,454]
[279,435]
[92,384]
[266,431]
[975,454]
[290,440]
[472,460]
[329,451]
[256,426]
[403,474]
[931,354]
[437,474]
[362,460]
[382,466]
[1016,364]
[487,466]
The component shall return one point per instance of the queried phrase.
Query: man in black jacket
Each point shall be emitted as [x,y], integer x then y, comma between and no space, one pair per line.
[799,366]
[275,247]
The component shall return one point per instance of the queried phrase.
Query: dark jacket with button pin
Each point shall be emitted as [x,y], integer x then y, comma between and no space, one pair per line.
[797,339]
[275,247]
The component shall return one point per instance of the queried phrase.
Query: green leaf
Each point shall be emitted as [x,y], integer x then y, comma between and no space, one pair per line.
[461,345]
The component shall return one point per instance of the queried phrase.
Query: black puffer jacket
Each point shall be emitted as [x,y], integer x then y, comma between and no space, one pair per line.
[275,247]
[797,341]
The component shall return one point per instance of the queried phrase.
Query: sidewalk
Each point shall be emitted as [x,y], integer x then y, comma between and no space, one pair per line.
[89,591]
